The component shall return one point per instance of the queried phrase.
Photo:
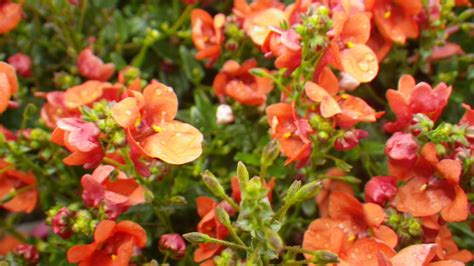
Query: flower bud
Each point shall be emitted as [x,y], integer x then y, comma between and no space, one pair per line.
[172,244]
[308,191]
[22,64]
[242,173]
[414,227]
[274,240]
[223,216]
[224,114]
[61,223]
[270,153]
[380,189]
[402,147]
[27,252]
[196,238]
[350,139]
[212,183]
[324,257]
[295,186]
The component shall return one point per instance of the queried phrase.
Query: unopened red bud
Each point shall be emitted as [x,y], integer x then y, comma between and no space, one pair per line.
[22,64]
[28,252]
[380,189]
[173,244]
[61,223]
[402,147]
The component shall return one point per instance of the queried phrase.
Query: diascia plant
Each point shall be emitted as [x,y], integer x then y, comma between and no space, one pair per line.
[245,132]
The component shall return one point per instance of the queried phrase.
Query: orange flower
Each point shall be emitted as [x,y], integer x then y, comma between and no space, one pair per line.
[379,44]
[396,20]
[10,16]
[92,67]
[350,32]
[151,128]
[420,254]
[324,93]
[411,98]
[25,185]
[207,35]
[84,94]
[7,244]
[329,186]
[8,84]
[436,192]
[235,81]
[113,245]
[258,17]
[348,219]
[211,226]
[290,131]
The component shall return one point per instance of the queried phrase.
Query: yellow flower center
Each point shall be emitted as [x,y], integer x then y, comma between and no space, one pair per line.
[423,187]
[157,129]
[287,135]
[387,14]
[350,44]
[114,257]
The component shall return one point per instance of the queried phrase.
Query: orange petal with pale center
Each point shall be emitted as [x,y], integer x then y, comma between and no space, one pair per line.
[176,143]
[360,62]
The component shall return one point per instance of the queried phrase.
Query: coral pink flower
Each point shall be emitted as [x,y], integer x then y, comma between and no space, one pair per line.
[151,128]
[81,139]
[211,226]
[14,180]
[285,46]
[10,16]
[291,131]
[411,98]
[92,67]
[258,17]
[380,189]
[8,85]
[437,191]
[114,244]
[22,64]
[116,195]
[207,35]
[396,20]
[235,81]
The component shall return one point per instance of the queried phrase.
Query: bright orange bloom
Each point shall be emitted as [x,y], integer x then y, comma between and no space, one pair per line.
[14,180]
[348,220]
[92,67]
[438,191]
[113,245]
[207,34]
[348,51]
[211,226]
[411,98]
[258,17]
[151,128]
[396,20]
[329,186]
[291,132]
[235,81]
[7,244]
[84,94]
[324,93]
[420,254]
[10,16]
[8,84]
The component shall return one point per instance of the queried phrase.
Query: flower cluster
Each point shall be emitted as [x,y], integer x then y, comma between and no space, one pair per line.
[121,123]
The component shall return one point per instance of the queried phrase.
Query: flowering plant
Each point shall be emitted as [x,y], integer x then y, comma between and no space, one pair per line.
[244,132]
